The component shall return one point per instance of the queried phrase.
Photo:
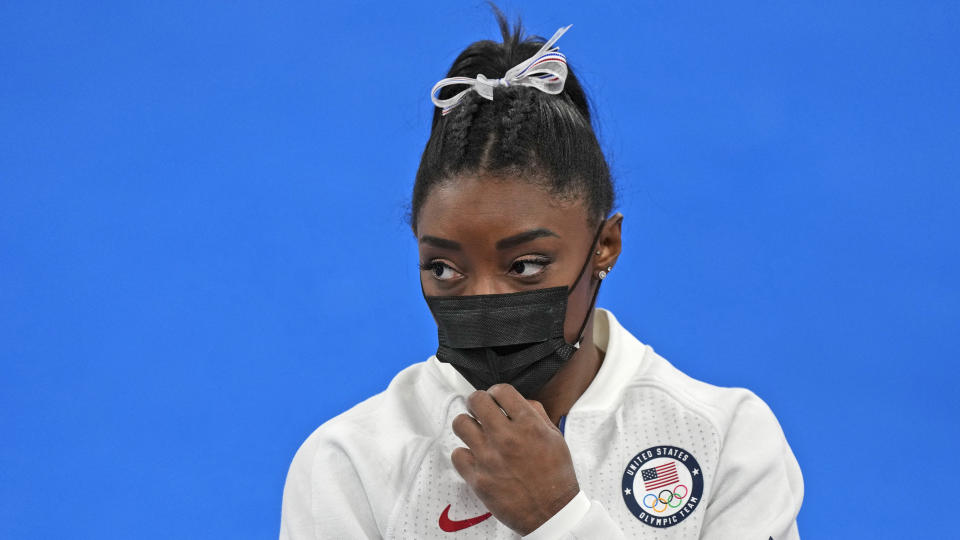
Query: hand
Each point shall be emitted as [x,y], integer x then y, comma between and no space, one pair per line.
[517,463]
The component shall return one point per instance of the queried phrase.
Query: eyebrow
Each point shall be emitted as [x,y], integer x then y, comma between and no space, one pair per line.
[442,243]
[502,244]
[524,237]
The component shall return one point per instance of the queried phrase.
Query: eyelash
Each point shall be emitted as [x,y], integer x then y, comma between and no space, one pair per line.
[544,261]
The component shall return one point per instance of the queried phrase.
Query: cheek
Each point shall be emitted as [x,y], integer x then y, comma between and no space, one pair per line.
[577,304]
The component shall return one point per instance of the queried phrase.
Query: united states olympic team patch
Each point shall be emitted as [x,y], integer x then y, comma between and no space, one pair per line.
[662,485]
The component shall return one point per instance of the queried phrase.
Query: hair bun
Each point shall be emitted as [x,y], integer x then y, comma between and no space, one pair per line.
[523,132]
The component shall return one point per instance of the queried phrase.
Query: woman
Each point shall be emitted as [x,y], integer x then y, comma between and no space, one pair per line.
[539,416]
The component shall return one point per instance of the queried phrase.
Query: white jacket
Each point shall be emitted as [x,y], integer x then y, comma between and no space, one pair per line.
[657,455]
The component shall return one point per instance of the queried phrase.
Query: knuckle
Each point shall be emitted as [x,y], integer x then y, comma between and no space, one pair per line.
[480,451]
[510,445]
[462,423]
[474,398]
[482,485]
[461,459]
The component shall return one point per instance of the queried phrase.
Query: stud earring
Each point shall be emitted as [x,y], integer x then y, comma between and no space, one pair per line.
[603,273]
[598,252]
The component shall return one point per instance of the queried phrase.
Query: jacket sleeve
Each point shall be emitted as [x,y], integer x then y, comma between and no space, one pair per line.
[758,487]
[579,519]
[324,497]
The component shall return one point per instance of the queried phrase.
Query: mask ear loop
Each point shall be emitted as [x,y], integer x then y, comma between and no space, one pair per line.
[596,291]
[589,256]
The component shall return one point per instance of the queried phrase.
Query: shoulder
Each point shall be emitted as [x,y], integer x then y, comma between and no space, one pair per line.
[723,407]
[734,422]
[751,459]
[737,439]
[410,409]
[635,376]
[366,454]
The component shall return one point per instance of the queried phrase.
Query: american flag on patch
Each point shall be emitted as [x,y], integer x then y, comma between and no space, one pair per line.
[658,477]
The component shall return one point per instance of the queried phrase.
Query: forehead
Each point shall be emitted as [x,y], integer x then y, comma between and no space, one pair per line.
[496,206]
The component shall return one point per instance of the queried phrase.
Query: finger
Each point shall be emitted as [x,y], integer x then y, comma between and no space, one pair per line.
[539,410]
[507,397]
[464,462]
[469,431]
[481,405]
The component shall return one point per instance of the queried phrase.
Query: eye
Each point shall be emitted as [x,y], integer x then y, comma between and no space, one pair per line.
[528,267]
[440,271]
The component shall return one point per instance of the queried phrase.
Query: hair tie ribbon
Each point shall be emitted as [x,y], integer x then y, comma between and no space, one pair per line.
[546,71]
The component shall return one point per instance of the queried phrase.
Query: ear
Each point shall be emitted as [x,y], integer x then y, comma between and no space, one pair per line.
[609,244]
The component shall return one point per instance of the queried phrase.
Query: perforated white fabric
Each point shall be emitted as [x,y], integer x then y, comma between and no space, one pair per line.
[382,469]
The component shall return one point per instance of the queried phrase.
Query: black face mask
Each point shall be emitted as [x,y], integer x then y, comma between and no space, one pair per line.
[514,338]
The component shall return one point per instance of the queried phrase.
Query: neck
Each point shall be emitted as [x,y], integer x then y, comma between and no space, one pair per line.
[566,387]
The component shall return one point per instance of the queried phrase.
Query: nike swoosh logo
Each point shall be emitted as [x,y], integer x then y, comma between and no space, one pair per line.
[450,525]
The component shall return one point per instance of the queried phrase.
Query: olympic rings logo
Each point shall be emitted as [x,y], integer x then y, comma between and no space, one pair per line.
[666,500]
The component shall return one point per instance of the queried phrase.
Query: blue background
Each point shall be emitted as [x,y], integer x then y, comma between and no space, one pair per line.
[203,252]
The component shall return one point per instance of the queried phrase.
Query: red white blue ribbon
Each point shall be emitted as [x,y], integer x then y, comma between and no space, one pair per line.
[546,71]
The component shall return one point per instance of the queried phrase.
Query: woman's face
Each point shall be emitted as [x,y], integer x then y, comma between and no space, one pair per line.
[484,235]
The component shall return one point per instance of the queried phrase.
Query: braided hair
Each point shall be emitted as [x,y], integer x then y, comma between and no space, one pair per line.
[523,133]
